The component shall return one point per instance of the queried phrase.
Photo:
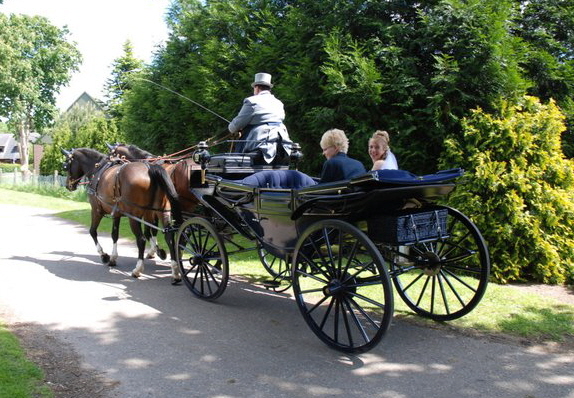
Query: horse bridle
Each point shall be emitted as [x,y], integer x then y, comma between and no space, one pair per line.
[66,166]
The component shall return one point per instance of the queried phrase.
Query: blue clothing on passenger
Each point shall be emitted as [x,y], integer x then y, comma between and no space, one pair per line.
[341,167]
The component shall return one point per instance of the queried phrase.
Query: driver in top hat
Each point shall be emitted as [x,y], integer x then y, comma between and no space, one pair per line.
[261,122]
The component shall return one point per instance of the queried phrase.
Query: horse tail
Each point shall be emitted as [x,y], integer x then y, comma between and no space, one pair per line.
[159,175]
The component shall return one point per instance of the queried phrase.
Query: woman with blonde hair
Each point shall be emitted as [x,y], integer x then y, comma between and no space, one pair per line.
[380,152]
[338,165]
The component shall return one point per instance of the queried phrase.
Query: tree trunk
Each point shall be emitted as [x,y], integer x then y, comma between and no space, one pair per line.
[24,133]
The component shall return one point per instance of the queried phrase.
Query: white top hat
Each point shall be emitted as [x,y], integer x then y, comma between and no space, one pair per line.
[262,79]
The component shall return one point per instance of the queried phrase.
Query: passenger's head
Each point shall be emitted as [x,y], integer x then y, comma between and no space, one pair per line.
[334,141]
[379,145]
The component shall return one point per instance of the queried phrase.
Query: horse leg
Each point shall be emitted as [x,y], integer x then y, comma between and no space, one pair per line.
[96,218]
[140,240]
[115,236]
[170,239]
[151,235]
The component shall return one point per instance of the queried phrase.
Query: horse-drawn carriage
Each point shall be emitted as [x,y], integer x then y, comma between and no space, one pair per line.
[340,245]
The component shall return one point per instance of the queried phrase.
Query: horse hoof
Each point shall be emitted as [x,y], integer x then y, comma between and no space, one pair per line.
[161,254]
[105,258]
[112,263]
[150,256]
[135,275]
[175,282]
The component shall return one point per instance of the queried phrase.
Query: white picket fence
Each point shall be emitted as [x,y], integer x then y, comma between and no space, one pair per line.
[17,178]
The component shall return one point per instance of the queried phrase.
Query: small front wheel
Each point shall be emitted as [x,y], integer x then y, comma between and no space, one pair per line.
[342,286]
[202,258]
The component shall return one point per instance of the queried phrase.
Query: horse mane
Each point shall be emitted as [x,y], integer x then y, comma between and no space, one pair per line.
[91,152]
[139,153]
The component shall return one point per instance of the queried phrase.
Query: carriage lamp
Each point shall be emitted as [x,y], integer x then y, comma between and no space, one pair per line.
[201,156]
[296,155]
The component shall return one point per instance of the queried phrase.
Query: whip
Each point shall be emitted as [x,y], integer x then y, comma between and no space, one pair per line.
[179,95]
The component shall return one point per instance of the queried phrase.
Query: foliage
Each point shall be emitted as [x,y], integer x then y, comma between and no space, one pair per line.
[519,189]
[119,83]
[413,69]
[35,61]
[79,127]
[9,167]
[547,26]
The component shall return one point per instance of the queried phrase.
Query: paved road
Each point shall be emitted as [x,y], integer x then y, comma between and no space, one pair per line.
[156,340]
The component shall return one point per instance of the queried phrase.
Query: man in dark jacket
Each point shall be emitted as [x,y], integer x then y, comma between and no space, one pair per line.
[338,166]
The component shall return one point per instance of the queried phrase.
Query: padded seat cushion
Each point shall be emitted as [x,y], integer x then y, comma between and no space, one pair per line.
[403,177]
[286,179]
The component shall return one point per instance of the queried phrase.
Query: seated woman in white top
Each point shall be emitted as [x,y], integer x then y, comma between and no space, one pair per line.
[380,152]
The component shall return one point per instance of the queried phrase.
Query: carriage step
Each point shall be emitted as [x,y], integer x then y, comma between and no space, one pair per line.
[271,284]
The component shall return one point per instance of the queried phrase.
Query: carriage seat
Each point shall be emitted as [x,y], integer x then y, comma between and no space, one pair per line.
[285,179]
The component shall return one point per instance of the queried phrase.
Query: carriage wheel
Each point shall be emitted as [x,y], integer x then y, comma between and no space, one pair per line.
[278,268]
[202,258]
[341,286]
[275,266]
[445,279]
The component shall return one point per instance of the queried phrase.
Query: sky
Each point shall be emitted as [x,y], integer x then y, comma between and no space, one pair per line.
[100,29]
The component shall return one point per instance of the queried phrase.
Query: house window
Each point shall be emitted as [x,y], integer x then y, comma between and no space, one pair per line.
[1,149]
[15,149]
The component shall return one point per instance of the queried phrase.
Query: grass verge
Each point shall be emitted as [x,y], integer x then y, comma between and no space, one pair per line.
[19,378]
[503,310]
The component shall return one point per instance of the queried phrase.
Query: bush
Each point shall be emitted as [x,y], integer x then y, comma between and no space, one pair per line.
[9,167]
[519,190]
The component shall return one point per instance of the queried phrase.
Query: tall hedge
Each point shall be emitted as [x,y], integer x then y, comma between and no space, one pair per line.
[519,189]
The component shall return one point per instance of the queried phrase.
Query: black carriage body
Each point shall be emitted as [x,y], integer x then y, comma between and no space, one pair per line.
[276,217]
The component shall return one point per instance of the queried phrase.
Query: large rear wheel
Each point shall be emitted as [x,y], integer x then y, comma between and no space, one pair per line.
[341,286]
[443,279]
[202,258]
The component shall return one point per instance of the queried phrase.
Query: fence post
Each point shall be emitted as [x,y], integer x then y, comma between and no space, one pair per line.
[56,180]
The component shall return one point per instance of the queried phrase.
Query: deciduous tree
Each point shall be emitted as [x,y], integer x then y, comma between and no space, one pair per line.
[36,59]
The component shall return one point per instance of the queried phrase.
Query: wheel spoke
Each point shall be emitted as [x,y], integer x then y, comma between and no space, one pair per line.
[453,290]
[443,293]
[356,321]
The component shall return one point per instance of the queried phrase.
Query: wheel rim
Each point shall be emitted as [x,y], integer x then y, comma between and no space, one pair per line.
[341,286]
[202,258]
[445,279]
[275,266]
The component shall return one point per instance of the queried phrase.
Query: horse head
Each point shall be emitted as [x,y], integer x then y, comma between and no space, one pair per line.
[79,163]
[70,165]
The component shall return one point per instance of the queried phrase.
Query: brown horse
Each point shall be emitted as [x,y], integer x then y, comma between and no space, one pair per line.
[141,191]
[179,171]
